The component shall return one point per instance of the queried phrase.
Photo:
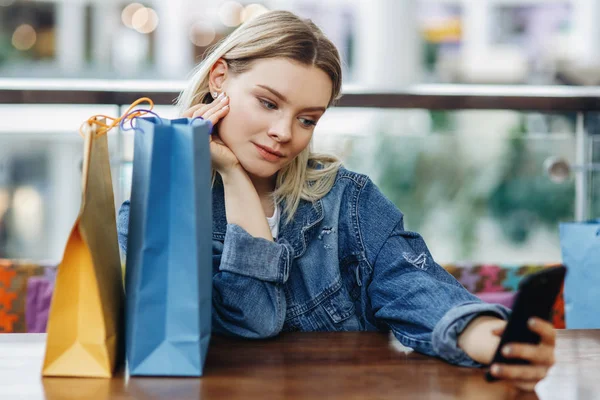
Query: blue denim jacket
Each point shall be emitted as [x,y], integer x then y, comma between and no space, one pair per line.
[345,263]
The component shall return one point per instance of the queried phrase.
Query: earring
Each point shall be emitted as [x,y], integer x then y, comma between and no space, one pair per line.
[214,95]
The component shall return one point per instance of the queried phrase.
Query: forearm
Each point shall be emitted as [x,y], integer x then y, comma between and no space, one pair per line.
[248,291]
[478,339]
[243,206]
[236,313]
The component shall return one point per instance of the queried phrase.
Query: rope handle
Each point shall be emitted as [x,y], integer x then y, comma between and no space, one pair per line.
[128,115]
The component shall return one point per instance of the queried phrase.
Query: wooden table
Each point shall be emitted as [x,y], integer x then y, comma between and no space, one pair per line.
[352,365]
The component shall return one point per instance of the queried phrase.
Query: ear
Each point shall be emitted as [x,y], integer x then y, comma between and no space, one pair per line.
[217,76]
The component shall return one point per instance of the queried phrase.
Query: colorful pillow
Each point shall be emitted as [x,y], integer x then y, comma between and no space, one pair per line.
[39,297]
[14,279]
[489,282]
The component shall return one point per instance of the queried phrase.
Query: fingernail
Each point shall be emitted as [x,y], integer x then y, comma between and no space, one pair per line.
[221,95]
[531,322]
[495,369]
[506,350]
[224,98]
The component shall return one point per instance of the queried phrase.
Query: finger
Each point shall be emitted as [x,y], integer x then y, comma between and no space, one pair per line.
[217,106]
[536,354]
[498,331]
[190,111]
[543,328]
[202,111]
[525,386]
[214,118]
[519,372]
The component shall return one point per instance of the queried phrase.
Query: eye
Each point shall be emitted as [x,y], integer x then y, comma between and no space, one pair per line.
[267,104]
[306,122]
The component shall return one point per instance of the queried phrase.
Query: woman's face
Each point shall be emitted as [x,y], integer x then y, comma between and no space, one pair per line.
[274,107]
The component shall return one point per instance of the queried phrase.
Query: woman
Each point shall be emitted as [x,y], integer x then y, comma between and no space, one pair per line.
[299,242]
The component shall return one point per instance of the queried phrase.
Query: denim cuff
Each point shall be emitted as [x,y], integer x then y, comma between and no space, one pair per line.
[447,330]
[254,257]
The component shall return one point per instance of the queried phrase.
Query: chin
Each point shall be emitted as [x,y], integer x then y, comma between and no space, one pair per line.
[259,169]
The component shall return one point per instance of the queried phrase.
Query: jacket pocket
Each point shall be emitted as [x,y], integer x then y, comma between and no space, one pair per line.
[339,307]
[334,312]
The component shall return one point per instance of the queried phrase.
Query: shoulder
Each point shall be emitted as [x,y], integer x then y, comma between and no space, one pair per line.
[368,189]
[365,210]
[350,178]
[366,198]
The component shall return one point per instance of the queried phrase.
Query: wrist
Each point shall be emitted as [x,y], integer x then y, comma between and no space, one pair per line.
[233,174]
[478,339]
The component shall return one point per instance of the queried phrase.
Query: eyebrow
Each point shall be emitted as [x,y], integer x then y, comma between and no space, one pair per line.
[285,100]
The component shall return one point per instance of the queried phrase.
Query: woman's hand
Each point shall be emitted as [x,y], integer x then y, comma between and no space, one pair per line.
[223,159]
[540,356]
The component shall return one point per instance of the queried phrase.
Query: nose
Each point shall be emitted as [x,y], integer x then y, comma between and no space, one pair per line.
[281,130]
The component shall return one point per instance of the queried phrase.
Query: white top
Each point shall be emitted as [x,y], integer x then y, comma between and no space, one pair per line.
[274,223]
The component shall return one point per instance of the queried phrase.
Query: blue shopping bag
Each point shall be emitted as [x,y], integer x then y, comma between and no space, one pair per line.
[580,246]
[168,275]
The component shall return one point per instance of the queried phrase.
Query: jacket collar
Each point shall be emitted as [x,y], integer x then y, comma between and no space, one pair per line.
[297,232]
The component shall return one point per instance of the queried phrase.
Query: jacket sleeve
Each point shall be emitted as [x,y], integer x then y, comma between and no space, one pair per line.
[248,278]
[248,295]
[424,306]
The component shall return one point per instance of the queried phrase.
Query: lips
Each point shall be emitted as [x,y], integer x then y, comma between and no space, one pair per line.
[268,153]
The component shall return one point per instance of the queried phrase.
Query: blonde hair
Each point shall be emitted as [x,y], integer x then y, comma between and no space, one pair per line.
[278,34]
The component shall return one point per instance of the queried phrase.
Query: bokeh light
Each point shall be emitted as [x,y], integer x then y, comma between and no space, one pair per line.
[145,20]
[202,33]
[140,18]
[24,37]
[230,13]
[28,212]
[128,12]
[252,11]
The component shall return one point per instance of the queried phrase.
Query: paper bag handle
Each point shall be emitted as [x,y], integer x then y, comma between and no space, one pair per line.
[127,115]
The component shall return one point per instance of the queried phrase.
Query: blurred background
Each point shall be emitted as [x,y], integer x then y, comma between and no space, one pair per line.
[474,183]
[445,41]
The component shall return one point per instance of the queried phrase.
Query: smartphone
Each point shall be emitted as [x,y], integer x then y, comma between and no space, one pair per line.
[535,298]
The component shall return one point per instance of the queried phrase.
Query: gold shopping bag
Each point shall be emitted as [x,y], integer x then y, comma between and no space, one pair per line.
[84,332]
